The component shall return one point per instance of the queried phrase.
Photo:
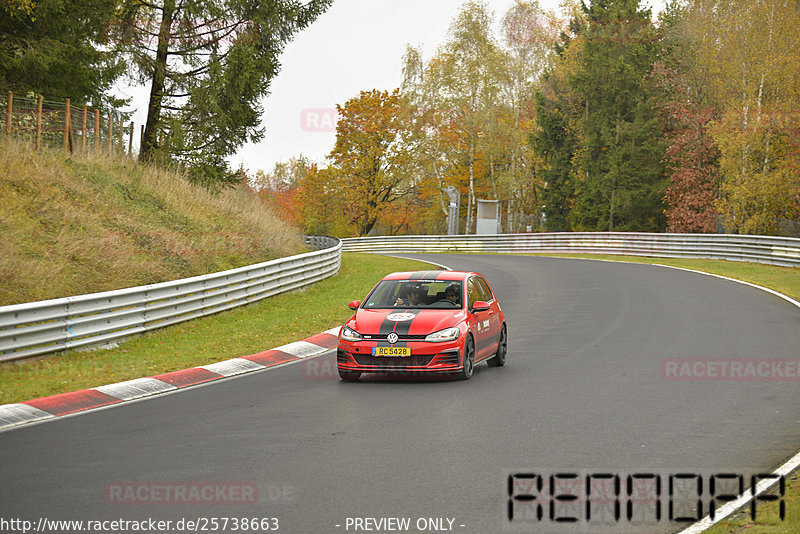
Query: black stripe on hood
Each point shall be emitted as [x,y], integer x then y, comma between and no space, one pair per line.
[401,328]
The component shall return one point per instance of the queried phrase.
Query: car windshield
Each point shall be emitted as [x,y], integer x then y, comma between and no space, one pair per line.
[430,294]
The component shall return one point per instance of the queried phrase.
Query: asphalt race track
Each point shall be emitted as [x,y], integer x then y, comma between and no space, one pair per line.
[584,391]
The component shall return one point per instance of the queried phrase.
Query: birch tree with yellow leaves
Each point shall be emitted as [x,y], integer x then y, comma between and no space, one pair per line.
[750,48]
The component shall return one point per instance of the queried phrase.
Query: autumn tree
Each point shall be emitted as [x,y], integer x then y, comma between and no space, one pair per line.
[322,208]
[692,155]
[528,33]
[207,63]
[466,82]
[474,106]
[426,123]
[280,187]
[750,48]
[691,160]
[471,60]
[370,157]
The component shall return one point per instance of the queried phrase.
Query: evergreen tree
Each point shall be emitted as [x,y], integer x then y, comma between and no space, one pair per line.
[554,141]
[208,63]
[623,184]
[52,48]
[559,112]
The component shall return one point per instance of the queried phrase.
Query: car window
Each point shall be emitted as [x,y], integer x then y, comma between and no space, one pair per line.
[487,293]
[414,294]
[381,296]
[473,292]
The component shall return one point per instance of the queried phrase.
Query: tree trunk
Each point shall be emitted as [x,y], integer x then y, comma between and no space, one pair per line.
[471,202]
[442,201]
[149,142]
[491,176]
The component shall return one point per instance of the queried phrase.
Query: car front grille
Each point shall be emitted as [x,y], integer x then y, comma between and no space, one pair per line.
[392,361]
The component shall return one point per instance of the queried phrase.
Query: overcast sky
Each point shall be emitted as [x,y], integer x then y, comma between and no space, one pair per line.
[357,45]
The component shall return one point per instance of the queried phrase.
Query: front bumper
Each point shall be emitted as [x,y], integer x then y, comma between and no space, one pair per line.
[425,357]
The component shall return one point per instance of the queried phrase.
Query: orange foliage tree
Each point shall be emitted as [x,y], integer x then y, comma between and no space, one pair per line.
[280,187]
[367,167]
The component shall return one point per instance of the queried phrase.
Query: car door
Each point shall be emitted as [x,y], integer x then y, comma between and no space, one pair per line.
[493,333]
[482,322]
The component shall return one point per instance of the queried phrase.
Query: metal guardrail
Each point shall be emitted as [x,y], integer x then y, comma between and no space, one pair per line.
[319,242]
[783,251]
[47,326]
[37,328]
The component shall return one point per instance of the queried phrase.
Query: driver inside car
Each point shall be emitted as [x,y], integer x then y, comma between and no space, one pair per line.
[414,297]
[451,294]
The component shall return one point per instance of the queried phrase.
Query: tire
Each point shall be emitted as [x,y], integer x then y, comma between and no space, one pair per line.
[349,376]
[469,360]
[499,359]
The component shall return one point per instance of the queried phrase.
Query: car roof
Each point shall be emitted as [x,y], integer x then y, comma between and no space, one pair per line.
[430,276]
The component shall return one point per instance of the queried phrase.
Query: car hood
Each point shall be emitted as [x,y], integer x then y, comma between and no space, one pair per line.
[413,322]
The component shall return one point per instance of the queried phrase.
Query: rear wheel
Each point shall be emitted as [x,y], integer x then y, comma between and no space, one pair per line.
[349,376]
[469,360]
[499,359]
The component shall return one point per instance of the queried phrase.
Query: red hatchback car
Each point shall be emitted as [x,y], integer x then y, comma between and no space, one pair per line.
[424,322]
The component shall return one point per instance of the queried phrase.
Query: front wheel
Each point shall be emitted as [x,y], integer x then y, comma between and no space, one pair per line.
[499,358]
[349,376]
[469,360]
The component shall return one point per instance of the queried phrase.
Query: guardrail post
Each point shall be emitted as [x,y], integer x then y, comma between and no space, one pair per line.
[110,132]
[66,127]
[83,131]
[96,130]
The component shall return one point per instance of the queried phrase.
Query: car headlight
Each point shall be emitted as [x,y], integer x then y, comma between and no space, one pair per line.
[448,334]
[348,334]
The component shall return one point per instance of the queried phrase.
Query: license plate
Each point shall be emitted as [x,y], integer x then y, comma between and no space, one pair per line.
[391,351]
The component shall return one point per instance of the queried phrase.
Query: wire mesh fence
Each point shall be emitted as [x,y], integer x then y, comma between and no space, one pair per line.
[76,128]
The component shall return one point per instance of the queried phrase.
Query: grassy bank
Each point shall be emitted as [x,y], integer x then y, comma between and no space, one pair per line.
[239,332]
[81,224]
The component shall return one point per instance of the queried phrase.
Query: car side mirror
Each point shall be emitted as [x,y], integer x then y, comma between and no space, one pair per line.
[480,306]
[354,305]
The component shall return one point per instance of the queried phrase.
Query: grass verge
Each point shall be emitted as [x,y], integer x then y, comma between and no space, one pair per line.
[768,519]
[239,332]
